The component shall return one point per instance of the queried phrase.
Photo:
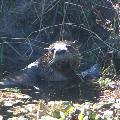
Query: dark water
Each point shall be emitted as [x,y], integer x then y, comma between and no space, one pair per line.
[77,93]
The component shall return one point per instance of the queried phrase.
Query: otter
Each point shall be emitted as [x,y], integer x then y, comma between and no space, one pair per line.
[58,67]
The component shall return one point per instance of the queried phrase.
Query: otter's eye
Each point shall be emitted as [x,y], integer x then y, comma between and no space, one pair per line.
[52,50]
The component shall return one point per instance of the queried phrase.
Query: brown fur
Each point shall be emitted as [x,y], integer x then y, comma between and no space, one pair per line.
[60,63]
[72,51]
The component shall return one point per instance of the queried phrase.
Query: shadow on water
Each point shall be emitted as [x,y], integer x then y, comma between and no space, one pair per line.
[76,92]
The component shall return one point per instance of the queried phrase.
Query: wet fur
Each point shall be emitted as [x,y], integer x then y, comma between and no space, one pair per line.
[47,69]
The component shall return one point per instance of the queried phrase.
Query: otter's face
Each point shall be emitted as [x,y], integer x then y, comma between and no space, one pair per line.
[63,55]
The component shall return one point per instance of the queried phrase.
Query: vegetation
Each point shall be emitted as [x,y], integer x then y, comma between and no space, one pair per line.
[29,26]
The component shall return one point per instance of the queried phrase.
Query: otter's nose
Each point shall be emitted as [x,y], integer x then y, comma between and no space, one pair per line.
[59,52]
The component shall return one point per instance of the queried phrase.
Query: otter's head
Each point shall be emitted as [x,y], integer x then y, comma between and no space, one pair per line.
[63,55]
